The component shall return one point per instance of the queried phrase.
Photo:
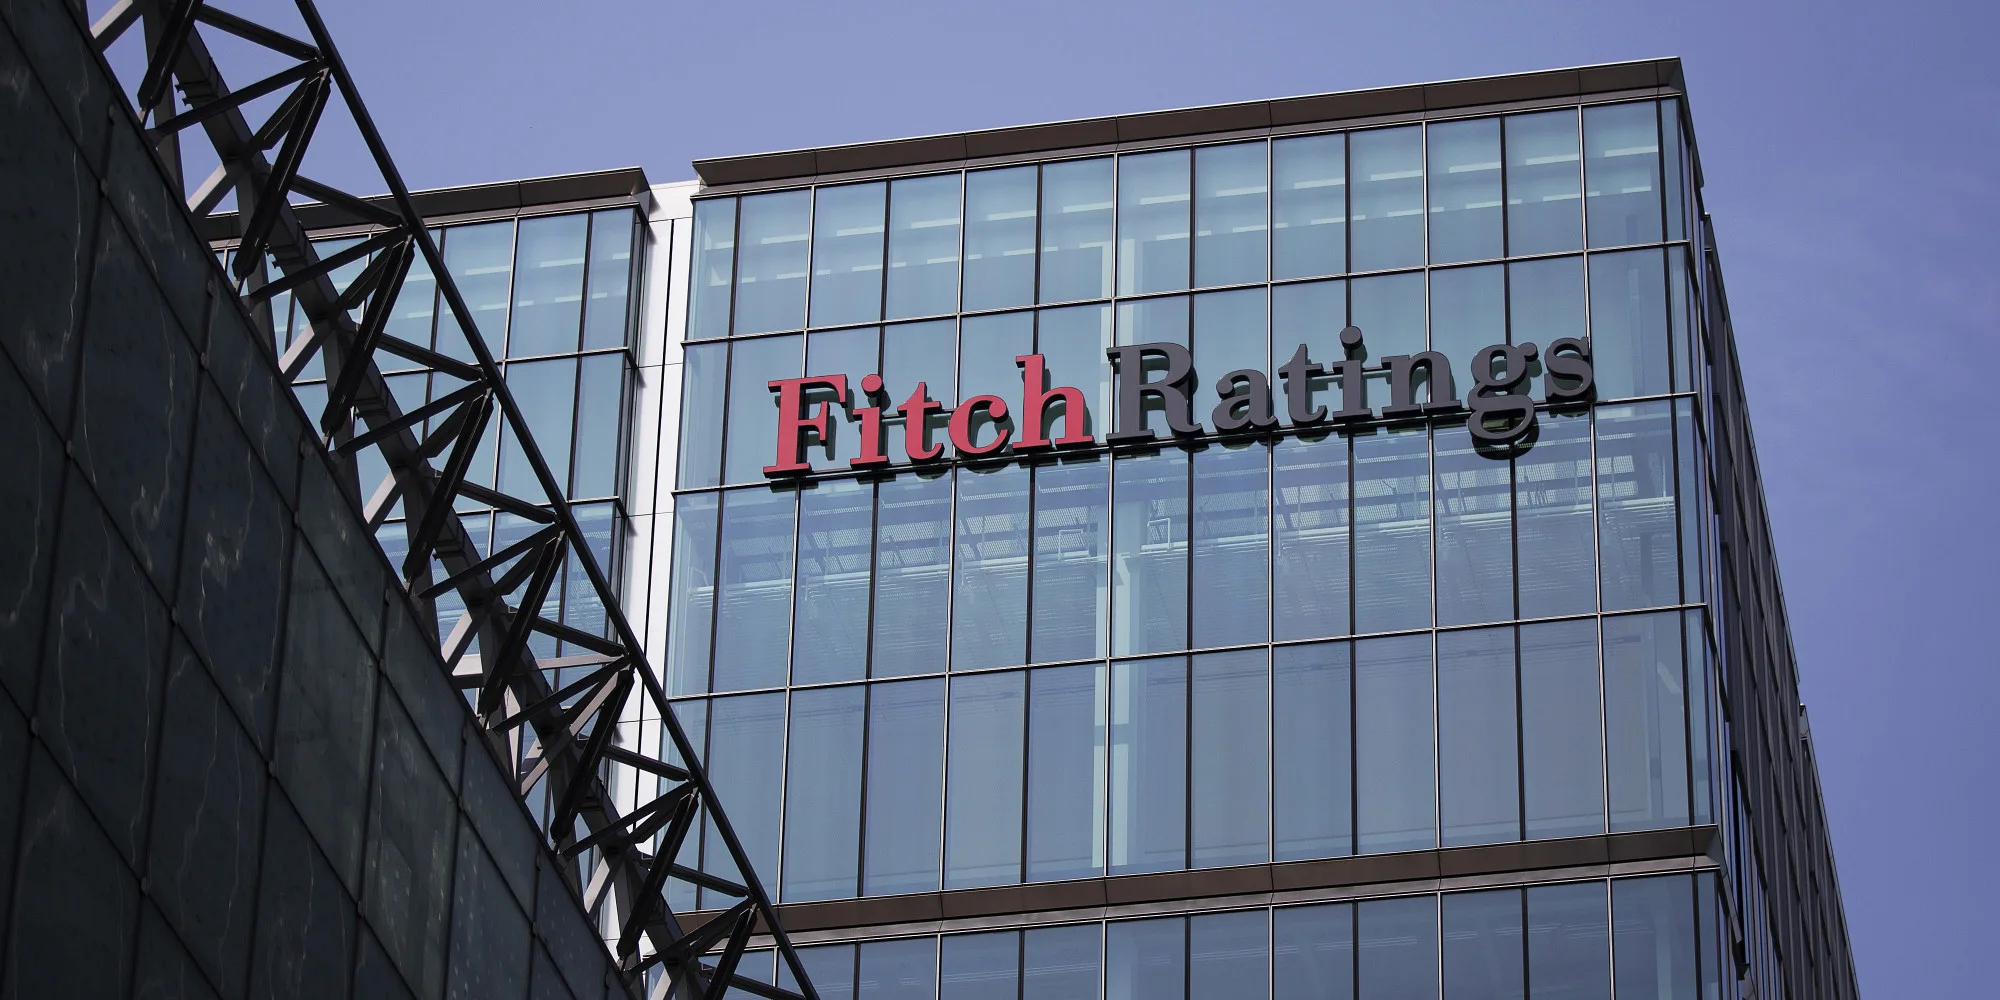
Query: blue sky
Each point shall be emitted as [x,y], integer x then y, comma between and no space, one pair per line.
[1848,153]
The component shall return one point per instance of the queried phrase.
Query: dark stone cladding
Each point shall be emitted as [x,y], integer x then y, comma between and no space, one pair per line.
[600,187]
[1418,870]
[1663,75]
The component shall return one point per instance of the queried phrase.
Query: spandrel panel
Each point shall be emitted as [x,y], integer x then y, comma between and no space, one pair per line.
[1621,174]
[1066,772]
[1153,224]
[823,794]
[1076,246]
[774,243]
[1149,765]
[1313,752]
[982,841]
[1149,540]
[990,571]
[923,247]
[1000,234]
[1478,787]
[905,781]
[1229,760]
[753,622]
[1229,210]
[549,256]
[912,576]
[1231,566]
[847,277]
[1544,200]
[830,616]
[1387,171]
[1072,539]
[714,268]
[1465,195]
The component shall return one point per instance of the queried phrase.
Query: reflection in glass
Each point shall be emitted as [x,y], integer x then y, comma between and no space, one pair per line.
[982,831]
[898,970]
[1152,222]
[1483,956]
[607,300]
[1621,173]
[990,575]
[912,575]
[905,787]
[1465,190]
[1309,206]
[1229,214]
[548,285]
[1229,955]
[752,433]
[1229,752]
[1311,518]
[847,254]
[999,238]
[823,794]
[1473,503]
[714,268]
[830,621]
[1637,550]
[1312,747]
[1149,765]
[600,403]
[692,593]
[829,966]
[1066,772]
[1145,959]
[1392,530]
[1397,941]
[1553,522]
[1394,806]
[1653,938]
[546,394]
[753,624]
[1071,539]
[1076,230]
[980,966]
[1150,553]
[1388,208]
[923,246]
[771,261]
[1232,546]
[1061,963]
[1568,934]
[746,763]
[1628,324]
[704,374]
[1544,205]
[1562,752]
[1645,722]
[1478,794]
[1312,952]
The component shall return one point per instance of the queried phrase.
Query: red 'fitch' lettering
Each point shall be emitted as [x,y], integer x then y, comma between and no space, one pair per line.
[792,426]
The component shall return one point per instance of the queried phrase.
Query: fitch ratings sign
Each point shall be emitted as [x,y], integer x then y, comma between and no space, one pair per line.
[1500,412]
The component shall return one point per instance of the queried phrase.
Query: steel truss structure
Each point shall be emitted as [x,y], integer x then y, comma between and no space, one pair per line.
[620,863]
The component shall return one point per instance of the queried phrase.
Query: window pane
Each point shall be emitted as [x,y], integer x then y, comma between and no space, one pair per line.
[856,354]
[600,407]
[823,794]
[1071,536]
[546,394]
[1653,938]
[1398,941]
[1066,773]
[913,353]
[1475,538]
[1392,530]
[1312,952]
[1152,223]
[999,238]
[1675,158]
[1310,515]
[1388,169]
[1389,309]
[1468,312]
[771,262]
[1465,190]
[1145,959]
[1562,778]
[416,304]
[905,787]
[1545,300]
[1154,321]
[582,608]
[1482,945]
[982,843]
[548,285]
[606,315]
[990,578]
[746,765]
[1645,722]
[1150,545]
[923,246]
[753,627]
[481,261]
[1231,766]
[987,348]
[1311,729]
[714,267]
[1568,932]
[1232,545]
[1621,174]
[1393,745]
[1480,797]
[1544,211]
[1072,342]
[1228,336]
[831,968]
[830,633]
[1076,230]
[1635,506]
[1062,963]
[692,595]
[1628,325]
[898,970]
[1309,206]
[1552,515]
[1229,956]
[704,373]
[1149,765]
[912,575]
[752,433]
[980,966]
[1229,214]
[847,254]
